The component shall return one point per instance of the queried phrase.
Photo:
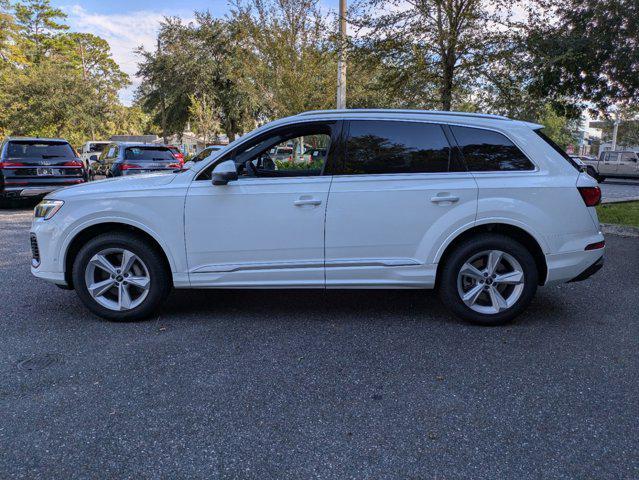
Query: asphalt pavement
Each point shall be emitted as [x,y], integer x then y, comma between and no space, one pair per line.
[618,189]
[312,384]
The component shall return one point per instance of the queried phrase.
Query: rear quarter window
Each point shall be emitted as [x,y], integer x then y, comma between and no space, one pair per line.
[489,151]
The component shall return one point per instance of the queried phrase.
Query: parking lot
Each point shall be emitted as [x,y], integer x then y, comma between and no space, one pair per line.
[308,384]
[616,189]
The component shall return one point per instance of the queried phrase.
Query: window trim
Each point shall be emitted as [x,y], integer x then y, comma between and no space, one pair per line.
[336,138]
[346,130]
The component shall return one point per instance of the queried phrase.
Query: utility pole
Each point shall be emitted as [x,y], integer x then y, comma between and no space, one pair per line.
[341,60]
[162,100]
[615,130]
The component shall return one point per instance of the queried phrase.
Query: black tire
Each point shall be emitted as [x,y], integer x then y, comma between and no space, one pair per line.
[160,277]
[448,284]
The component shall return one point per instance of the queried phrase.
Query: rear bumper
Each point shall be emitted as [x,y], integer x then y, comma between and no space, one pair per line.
[34,190]
[567,267]
[590,271]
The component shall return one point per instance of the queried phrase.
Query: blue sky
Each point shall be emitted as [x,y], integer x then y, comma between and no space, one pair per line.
[128,24]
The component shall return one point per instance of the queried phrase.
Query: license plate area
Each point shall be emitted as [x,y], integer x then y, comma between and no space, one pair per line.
[44,171]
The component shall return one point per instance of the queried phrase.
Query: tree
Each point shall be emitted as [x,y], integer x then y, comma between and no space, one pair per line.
[289,59]
[38,24]
[192,61]
[586,50]
[437,49]
[205,120]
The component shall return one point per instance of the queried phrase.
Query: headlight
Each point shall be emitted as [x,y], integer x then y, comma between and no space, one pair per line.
[47,208]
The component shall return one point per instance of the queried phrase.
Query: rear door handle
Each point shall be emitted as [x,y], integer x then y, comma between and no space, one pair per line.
[307,201]
[444,198]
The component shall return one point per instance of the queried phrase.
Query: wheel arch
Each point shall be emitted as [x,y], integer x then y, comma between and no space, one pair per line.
[88,232]
[527,239]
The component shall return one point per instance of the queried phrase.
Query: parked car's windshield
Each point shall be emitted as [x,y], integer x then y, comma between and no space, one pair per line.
[97,147]
[38,149]
[148,153]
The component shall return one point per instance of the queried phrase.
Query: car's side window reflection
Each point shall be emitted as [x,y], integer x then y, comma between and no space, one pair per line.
[298,156]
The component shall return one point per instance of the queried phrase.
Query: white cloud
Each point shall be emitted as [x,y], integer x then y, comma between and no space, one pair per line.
[125,32]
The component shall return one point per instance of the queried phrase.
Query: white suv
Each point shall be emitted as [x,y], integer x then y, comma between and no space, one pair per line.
[482,207]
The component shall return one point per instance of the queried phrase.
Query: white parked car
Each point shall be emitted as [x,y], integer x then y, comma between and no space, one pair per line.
[90,152]
[483,208]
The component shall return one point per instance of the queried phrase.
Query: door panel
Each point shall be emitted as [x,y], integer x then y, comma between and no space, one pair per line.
[628,165]
[609,164]
[265,232]
[384,230]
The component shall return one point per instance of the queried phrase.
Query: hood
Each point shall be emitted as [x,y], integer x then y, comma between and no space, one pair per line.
[111,185]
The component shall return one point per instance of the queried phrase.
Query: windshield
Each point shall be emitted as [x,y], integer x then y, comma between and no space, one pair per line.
[39,149]
[97,147]
[148,153]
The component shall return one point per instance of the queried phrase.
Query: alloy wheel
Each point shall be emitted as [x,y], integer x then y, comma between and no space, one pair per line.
[490,282]
[117,279]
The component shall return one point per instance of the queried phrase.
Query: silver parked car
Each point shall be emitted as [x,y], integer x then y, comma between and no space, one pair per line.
[614,164]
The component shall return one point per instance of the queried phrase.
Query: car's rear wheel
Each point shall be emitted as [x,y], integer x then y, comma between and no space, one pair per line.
[488,279]
[119,277]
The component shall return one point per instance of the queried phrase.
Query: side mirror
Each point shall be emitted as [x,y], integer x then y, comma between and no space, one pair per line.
[224,173]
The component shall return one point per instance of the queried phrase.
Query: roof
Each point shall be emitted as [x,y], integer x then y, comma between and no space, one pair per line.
[37,139]
[469,118]
[404,111]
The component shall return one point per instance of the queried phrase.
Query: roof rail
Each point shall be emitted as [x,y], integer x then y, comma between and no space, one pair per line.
[407,111]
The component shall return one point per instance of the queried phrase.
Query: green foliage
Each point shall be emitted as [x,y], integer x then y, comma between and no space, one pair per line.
[586,50]
[56,83]
[619,213]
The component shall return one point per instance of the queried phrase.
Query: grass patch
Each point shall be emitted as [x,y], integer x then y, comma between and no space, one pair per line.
[619,213]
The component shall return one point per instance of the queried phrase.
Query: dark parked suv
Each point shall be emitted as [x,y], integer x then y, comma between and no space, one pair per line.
[31,167]
[123,158]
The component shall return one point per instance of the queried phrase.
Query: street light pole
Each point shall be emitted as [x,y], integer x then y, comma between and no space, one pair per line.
[341,60]
[615,130]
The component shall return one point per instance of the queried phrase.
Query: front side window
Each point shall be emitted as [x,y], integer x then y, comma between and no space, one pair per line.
[488,151]
[387,147]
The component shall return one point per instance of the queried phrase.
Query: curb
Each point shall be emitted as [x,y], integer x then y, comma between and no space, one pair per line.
[619,230]
[620,200]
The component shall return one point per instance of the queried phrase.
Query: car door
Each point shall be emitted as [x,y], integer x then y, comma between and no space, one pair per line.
[265,229]
[609,164]
[628,165]
[399,192]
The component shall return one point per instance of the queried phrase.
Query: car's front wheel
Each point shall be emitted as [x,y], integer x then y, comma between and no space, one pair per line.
[119,277]
[488,279]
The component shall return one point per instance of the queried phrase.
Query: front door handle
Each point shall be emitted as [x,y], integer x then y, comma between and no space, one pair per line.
[307,201]
[444,199]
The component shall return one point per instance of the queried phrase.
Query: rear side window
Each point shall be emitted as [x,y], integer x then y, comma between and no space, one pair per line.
[148,153]
[379,147]
[38,149]
[488,151]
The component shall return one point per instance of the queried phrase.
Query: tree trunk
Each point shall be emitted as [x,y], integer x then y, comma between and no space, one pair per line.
[448,76]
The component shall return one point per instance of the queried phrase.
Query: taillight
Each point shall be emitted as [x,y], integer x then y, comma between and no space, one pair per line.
[175,165]
[591,195]
[129,166]
[73,163]
[11,164]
